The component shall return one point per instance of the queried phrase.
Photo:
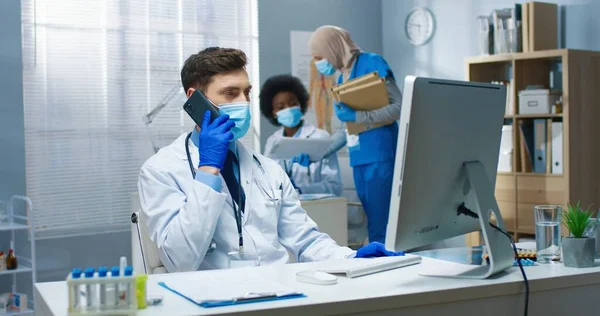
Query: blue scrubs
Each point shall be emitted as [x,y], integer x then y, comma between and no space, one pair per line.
[372,159]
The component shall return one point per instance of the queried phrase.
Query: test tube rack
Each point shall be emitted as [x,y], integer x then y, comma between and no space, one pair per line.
[78,305]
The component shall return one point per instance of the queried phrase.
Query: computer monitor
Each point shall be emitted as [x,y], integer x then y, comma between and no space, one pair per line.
[447,154]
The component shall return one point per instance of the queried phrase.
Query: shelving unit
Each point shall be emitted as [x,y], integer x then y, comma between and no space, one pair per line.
[532,116]
[26,264]
[518,192]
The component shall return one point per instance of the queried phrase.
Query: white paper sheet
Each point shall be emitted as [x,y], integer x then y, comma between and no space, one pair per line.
[300,55]
[203,287]
[287,148]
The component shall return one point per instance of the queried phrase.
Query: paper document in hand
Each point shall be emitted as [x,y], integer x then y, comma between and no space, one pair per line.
[359,81]
[371,96]
[224,287]
[287,148]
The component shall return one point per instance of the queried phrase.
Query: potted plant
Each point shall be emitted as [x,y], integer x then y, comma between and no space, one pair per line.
[578,249]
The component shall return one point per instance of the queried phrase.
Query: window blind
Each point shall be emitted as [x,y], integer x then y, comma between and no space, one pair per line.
[91,70]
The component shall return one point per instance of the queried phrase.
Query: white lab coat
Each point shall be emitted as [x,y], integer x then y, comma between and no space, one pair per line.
[183,215]
[320,177]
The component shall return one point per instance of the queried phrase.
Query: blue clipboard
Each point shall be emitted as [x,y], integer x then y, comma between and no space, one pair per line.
[243,300]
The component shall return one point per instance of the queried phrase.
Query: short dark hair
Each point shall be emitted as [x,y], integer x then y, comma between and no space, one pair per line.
[199,69]
[281,83]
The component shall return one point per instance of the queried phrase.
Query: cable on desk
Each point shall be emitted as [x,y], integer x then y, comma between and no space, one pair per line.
[463,210]
[512,241]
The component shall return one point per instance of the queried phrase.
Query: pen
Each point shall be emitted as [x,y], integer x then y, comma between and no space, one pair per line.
[255,297]
[241,299]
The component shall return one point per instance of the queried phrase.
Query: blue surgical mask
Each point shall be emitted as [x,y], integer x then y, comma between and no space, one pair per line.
[290,117]
[325,67]
[239,113]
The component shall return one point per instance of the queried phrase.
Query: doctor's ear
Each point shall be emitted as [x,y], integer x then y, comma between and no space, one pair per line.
[189,92]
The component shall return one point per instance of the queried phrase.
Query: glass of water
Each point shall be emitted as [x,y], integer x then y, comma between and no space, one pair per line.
[547,232]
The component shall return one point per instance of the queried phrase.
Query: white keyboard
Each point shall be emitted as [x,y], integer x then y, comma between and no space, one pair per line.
[362,266]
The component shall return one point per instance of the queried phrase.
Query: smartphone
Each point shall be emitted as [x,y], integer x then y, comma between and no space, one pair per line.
[197,104]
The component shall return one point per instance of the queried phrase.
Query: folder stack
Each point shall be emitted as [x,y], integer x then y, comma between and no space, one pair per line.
[541,146]
[540,26]
[365,93]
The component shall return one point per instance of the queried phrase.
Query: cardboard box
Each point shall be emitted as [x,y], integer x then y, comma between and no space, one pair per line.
[365,93]
[355,128]
[17,302]
[364,79]
[537,101]
[540,26]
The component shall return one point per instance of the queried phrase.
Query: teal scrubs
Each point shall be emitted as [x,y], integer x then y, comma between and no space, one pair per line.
[372,159]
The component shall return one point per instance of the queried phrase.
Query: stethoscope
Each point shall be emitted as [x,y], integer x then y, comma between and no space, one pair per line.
[237,212]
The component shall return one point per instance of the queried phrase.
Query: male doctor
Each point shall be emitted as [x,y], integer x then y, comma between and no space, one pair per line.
[211,203]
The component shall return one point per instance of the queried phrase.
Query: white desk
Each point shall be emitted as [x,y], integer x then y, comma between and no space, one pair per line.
[555,290]
[331,215]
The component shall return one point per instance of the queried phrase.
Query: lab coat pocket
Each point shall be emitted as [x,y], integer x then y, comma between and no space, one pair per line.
[266,209]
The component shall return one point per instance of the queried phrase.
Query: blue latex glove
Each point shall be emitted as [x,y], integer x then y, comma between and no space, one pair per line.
[213,141]
[344,112]
[302,160]
[376,249]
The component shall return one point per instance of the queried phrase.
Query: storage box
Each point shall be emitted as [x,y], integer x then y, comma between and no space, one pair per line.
[538,101]
[18,302]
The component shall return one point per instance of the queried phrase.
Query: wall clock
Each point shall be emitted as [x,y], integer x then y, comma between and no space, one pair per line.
[420,26]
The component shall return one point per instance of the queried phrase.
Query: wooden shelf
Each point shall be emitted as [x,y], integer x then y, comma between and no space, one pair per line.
[534,116]
[520,231]
[505,173]
[529,174]
[518,192]
[525,232]
[506,58]
[544,54]
[538,174]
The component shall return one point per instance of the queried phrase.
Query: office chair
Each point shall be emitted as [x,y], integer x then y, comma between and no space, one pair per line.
[145,253]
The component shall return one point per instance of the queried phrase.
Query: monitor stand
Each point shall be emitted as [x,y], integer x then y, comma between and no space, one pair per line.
[498,246]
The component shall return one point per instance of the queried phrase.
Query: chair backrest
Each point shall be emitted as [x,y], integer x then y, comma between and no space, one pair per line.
[144,250]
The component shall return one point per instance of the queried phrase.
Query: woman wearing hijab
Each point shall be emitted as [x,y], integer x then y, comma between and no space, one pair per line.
[372,152]
[283,101]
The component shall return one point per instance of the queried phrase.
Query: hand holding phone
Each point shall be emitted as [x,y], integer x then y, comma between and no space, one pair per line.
[197,105]
[213,142]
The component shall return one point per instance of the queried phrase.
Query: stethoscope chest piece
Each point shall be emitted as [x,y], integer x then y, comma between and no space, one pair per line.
[212,247]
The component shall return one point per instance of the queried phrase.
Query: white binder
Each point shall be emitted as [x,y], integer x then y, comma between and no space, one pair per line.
[557,147]
[506,149]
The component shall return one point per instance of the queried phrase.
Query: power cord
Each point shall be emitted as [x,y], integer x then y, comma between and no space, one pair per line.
[512,241]
[463,210]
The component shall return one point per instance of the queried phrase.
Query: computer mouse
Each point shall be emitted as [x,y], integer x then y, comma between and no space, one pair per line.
[316,277]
